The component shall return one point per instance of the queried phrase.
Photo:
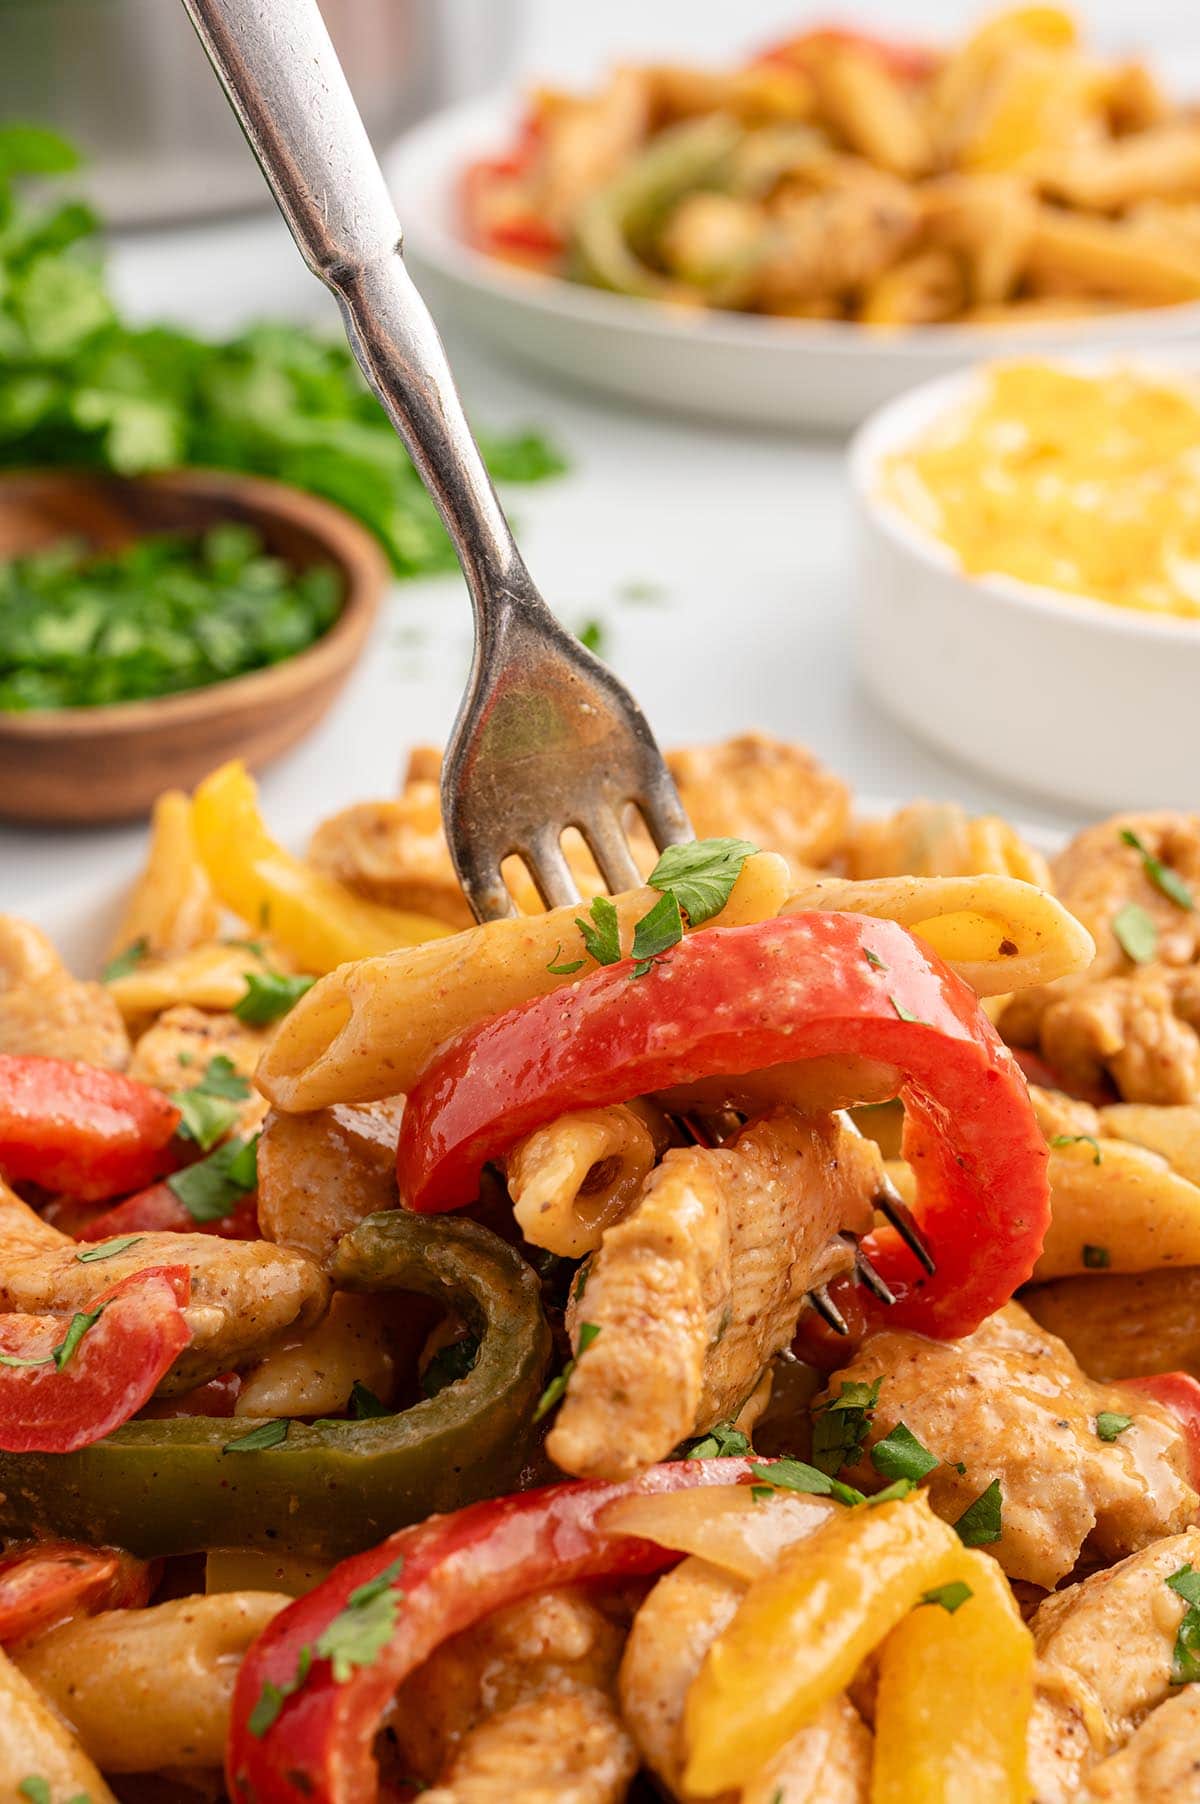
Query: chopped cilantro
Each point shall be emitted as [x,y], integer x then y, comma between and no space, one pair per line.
[901,1455]
[81,1322]
[840,1426]
[1136,933]
[723,1441]
[981,1522]
[657,932]
[1185,1660]
[904,1013]
[567,970]
[210,1108]
[107,1249]
[594,635]
[1058,1140]
[260,1439]
[1110,1423]
[581,1281]
[36,1789]
[952,1597]
[1161,875]
[272,1698]
[701,874]
[359,1633]
[269,995]
[557,1387]
[900,1487]
[796,1475]
[601,935]
[125,961]
[365,1404]
[449,1364]
[1096,1258]
[873,959]
[212,1188]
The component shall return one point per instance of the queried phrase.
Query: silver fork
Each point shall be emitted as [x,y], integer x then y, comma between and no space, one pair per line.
[546,737]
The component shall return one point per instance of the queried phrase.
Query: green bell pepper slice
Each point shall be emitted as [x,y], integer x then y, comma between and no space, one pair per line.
[332,1489]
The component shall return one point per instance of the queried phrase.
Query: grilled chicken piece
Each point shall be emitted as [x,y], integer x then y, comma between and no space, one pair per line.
[176,1052]
[766,790]
[1010,1403]
[1104,1652]
[46,1012]
[246,1294]
[1160,1764]
[827,1763]
[520,1707]
[320,1174]
[1136,1025]
[1124,1324]
[700,1285]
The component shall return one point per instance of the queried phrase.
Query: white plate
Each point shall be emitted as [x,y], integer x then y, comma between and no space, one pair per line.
[1071,698]
[719,365]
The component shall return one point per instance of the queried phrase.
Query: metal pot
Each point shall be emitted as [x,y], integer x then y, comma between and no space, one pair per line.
[127,81]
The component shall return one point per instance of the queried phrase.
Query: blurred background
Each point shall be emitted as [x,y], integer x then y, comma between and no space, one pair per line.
[710,558]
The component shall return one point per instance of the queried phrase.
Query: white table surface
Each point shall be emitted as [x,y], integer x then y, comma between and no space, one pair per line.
[744,536]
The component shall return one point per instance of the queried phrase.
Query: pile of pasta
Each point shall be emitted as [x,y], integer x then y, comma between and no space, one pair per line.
[1016,176]
[354,1367]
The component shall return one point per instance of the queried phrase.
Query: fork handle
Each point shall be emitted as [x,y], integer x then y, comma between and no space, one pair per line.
[281,73]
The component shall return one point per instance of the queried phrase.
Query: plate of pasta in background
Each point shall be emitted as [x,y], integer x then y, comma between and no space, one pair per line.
[796,239]
[738,1337]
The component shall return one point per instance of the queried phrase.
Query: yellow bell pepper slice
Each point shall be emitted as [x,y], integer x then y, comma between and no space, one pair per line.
[317,920]
[955,1696]
[171,907]
[802,1631]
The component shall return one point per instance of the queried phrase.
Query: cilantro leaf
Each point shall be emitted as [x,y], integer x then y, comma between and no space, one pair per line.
[212,1188]
[36,1789]
[260,1439]
[556,1390]
[840,1426]
[269,996]
[593,634]
[701,874]
[107,1249]
[567,970]
[210,1108]
[981,1522]
[905,1014]
[601,935]
[359,1633]
[657,932]
[723,1441]
[1058,1140]
[1136,933]
[1110,1423]
[796,1475]
[365,1404]
[901,1455]
[952,1596]
[1185,1659]
[80,1323]
[272,1698]
[122,963]
[1161,875]
[449,1364]
[873,959]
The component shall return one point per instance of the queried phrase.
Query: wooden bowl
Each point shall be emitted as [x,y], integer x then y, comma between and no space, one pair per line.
[86,765]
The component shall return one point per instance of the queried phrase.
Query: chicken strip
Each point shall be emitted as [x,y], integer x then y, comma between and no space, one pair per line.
[175,1053]
[246,1294]
[46,1012]
[319,1175]
[1104,1652]
[1160,1764]
[1126,1324]
[701,1284]
[766,790]
[1010,1403]
[521,1707]
[1129,1030]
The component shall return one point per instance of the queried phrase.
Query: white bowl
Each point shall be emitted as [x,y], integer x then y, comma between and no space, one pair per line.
[729,366]
[1075,699]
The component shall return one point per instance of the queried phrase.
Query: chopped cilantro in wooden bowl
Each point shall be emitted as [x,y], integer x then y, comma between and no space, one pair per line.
[152,627]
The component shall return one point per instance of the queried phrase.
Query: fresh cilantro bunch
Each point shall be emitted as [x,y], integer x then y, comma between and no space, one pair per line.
[81,387]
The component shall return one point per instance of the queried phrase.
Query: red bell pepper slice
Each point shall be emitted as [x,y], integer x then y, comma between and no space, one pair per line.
[75,1127]
[159,1211]
[297,1736]
[737,999]
[48,1581]
[1180,1393]
[55,1397]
